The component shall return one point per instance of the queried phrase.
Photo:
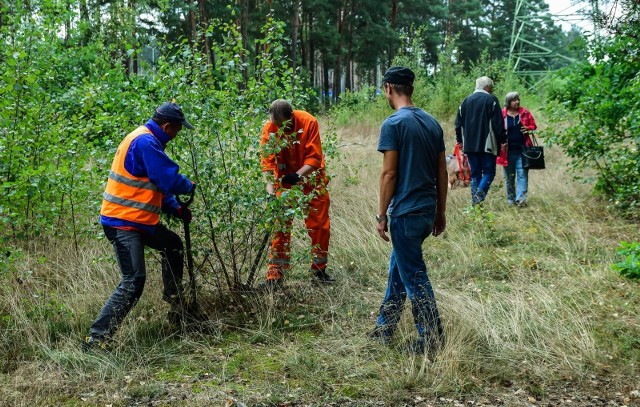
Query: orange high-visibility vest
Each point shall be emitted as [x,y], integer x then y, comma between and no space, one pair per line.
[127,197]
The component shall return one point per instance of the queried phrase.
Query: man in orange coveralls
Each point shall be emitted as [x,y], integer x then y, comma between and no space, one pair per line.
[299,161]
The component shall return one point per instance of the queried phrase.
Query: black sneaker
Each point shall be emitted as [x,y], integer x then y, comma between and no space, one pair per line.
[321,277]
[92,344]
[378,335]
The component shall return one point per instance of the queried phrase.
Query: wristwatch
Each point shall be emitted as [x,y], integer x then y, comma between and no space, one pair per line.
[381,218]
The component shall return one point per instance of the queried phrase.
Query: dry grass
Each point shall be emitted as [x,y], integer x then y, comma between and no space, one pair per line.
[527,296]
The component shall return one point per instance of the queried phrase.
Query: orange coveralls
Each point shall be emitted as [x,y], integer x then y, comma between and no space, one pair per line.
[305,149]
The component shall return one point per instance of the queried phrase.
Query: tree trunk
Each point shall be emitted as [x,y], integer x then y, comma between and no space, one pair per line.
[375,76]
[130,34]
[244,32]
[349,68]
[97,22]
[394,14]
[325,79]
[450,23]
[67,25]
[204,24]
[312,53]
[85,24]
[84,11]
[193,21]
[304,41]
[392,20]
[295,22]
[337,74]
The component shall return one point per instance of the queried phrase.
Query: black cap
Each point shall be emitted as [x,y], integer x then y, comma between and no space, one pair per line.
[172,113]
[399,75]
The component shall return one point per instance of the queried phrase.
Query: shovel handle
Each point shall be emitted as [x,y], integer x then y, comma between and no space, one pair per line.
[187,241]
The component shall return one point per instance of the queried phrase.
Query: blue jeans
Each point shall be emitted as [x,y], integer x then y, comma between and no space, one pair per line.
[408,277]
[483,171]
[129,247]
[516,178]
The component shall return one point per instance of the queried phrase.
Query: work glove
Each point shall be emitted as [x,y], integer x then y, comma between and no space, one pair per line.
[184,213]
[291,178]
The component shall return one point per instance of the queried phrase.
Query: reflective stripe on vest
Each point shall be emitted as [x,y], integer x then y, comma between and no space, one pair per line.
[127,197]
[131,203]
[136,183]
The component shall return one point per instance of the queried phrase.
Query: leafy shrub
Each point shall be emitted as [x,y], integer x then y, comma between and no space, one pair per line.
[64,108]
[599,101]
[630,266]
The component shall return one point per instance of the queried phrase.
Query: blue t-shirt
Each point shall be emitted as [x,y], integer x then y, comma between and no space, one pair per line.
[419,140]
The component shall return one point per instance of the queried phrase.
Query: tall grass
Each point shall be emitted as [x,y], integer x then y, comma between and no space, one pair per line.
[526,295]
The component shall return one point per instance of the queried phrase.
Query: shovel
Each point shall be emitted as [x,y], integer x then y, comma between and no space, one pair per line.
[193,311]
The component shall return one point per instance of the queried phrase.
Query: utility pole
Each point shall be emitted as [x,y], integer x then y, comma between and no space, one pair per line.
[527,54]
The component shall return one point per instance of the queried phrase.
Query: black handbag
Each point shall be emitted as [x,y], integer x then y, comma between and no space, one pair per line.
[533,157]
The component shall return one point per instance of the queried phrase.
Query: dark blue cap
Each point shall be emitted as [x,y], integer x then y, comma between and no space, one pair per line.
[172,113]
[399,75]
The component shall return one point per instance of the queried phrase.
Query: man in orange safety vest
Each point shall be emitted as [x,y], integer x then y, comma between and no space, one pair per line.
[142,183]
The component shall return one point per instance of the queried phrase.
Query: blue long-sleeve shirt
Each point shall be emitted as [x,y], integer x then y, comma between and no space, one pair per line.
[146,158]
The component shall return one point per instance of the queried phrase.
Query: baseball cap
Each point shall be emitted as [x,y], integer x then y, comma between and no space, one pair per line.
[399,75]
[172,113]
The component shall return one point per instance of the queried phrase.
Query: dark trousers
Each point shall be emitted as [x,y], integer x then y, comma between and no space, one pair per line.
[483,171]
[129,247]
[408,277]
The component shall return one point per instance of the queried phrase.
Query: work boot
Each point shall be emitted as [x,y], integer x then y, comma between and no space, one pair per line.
[321,277]
[271,285]
[92,343]
[178,311]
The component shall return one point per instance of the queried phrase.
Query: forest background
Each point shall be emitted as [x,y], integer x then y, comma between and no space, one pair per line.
[77,75]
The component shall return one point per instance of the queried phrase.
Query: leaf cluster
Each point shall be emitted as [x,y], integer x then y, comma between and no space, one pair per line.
[630,266]
[599,100]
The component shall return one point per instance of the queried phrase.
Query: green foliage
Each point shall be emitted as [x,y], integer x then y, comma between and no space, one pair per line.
[60,106]
[599,100]
[65,107]
[630,266]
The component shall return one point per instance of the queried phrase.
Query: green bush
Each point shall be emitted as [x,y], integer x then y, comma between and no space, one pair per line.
[630,266]
[599,100]
[65,107]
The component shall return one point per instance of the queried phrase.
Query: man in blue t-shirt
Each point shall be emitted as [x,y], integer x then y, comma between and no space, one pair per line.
[413,197]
